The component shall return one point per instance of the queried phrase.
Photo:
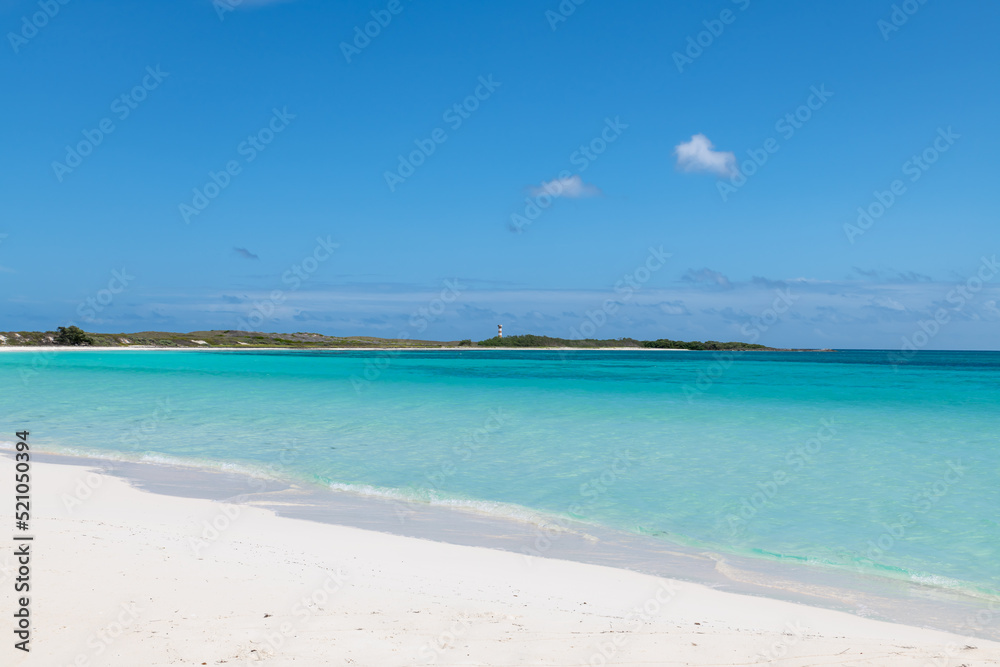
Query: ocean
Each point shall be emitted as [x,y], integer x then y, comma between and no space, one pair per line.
[844,461]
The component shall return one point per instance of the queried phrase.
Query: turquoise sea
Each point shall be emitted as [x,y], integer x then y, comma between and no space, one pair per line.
[835,459]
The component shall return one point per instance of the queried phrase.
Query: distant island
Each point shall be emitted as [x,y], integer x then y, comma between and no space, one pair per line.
[76,337]
[531,340]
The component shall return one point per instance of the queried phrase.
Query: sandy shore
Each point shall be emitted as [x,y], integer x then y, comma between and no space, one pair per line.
[121,576]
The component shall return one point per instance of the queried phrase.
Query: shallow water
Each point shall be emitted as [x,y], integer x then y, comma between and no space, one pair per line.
[839,461]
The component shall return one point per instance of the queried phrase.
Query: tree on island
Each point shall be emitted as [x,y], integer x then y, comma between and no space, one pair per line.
[73,336]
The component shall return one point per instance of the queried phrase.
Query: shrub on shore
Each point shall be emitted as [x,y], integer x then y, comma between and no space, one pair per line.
[72,336]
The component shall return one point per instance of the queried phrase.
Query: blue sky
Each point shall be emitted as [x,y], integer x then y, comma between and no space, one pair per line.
[588,142]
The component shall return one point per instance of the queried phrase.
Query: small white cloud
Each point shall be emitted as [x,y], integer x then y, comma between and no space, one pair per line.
[888,303]
[572,187]
[674,308]
[699,155]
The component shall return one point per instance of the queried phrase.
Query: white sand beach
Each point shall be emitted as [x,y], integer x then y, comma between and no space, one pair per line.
[121,576]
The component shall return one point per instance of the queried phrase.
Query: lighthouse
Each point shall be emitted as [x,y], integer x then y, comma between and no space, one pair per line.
[499,331]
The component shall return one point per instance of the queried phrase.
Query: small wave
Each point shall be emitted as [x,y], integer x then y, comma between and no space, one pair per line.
[867,567]
[262,471]
[550,522]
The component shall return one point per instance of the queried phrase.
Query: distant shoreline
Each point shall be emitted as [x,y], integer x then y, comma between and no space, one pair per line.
[125,348]
[229,339]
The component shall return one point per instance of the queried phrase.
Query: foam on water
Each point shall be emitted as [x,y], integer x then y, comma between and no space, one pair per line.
[834,460]
[423,497]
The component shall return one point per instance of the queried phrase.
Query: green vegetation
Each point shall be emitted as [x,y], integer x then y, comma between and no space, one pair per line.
[300,340]
[72,336]
[698,345]
[530,340]
[209,339]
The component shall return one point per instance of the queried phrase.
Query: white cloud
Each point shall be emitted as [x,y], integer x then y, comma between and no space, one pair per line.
[674,308]
[572,187]
[821,313]
[888,303]
[699,155]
